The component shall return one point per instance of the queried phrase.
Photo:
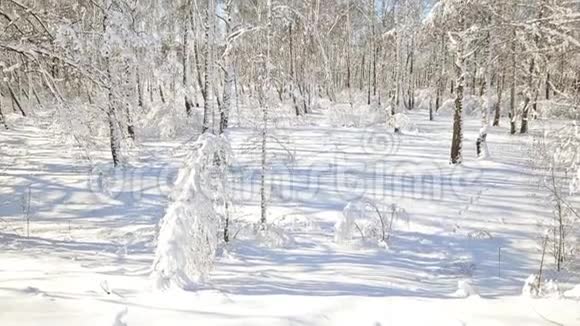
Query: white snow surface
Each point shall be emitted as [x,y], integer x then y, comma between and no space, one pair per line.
[92,238]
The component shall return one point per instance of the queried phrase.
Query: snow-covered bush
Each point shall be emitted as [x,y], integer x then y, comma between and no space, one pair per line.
[471,106]
[558,107]
[534,288]
[167,121]
[424,98]
[188,237]
[402,123]
[367,221]
[355,116]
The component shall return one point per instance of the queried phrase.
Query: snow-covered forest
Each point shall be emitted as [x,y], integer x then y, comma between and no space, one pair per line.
[289,162]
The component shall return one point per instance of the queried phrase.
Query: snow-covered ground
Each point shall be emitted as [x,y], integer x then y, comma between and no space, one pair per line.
[85,256]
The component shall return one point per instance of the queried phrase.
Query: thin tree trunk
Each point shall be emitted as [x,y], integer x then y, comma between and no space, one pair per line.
[228,73]
[527,98]
[457,140]
[15,100]
[2,118]
[497,116]
[293,71]
[512,113]
[481,143]
[187,61]
[265,88]
[129,97]
[114,132]
[209,28]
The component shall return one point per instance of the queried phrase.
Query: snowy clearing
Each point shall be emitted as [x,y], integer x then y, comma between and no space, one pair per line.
[90,250]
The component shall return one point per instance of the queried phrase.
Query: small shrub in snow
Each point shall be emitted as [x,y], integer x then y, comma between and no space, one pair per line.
[480,235]
[268,235]
[188,237]
[272,236]
[534,288]
[369,222]
[462,267]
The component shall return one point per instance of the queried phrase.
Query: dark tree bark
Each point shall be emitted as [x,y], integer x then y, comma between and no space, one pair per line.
[2,118]
[186,63]
[16,101]
[497,114]
[512,113]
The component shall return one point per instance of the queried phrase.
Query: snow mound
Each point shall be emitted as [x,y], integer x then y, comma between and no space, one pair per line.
[121,318]
[465,290]
[573,293]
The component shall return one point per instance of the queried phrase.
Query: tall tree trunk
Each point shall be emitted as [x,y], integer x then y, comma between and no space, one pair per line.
[129,98]
[265,89]
[2,118]
[411,77]
[441,71]
[481,143]
[140,96]
[112,119]
[187,60]
[362,74]
[531,91]
[457,140]
[228,73]
[209,65]
[497,116]
[548,86]
[512,113]
[15,100]
[293,71]
[369,86]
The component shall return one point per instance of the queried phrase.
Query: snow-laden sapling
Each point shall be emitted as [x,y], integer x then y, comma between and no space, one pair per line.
[188,236]
[557,161]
